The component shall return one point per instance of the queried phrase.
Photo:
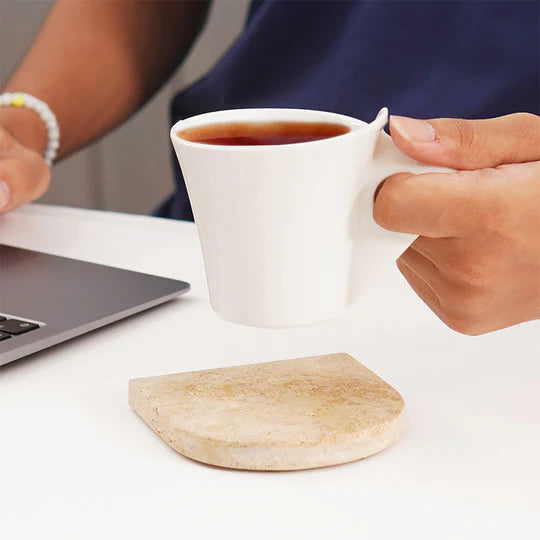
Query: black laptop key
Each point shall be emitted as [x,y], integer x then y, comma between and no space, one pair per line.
[3,336]
[2,318]
[16,327]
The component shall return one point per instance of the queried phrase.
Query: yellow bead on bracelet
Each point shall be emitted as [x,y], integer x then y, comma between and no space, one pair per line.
[28,101]
[18,100]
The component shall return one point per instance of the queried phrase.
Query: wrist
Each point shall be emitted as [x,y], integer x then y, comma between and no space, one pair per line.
[26,126]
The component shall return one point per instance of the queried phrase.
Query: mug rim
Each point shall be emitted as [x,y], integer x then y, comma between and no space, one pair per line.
[354,124]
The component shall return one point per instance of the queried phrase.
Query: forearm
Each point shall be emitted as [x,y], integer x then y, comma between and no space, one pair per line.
[96,62]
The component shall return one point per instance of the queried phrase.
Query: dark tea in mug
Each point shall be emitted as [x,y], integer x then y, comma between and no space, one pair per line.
[262,133]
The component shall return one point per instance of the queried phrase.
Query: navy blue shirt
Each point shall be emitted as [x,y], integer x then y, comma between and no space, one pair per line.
[422,59]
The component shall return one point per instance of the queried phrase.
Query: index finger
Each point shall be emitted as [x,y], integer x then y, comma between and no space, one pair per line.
[437,205]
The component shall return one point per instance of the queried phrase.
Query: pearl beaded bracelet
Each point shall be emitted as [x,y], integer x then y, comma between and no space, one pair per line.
[21,99]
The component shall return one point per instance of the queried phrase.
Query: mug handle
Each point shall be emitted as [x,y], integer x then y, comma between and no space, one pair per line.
[388,159]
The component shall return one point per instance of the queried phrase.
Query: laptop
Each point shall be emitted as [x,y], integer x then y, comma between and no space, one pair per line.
[45,299]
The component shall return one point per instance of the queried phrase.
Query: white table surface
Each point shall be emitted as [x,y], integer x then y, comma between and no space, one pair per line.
[77,463]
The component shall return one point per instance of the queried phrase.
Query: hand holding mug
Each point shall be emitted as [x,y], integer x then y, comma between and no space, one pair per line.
[476,263]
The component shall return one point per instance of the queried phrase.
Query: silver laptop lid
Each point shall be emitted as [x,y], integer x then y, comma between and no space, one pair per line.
[65,298]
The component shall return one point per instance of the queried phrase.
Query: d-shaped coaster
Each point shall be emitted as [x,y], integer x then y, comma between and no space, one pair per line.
[275,416]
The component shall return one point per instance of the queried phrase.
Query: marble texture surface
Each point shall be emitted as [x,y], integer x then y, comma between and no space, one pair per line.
[274,416]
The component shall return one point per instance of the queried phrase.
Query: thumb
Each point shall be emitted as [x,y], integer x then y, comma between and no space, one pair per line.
[469,144]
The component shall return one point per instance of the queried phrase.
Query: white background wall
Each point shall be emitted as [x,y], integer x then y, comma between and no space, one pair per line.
[130,169]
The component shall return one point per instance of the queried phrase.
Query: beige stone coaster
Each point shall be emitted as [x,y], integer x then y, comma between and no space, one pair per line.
[275,416]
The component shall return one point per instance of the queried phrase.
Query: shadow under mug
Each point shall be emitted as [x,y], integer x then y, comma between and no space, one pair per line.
[283,228]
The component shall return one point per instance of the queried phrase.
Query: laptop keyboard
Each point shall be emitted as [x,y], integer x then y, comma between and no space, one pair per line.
[10,327]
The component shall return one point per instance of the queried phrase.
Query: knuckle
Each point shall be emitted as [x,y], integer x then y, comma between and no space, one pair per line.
[470,140]
[465,133]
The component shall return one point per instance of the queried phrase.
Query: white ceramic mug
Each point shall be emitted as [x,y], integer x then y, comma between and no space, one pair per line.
[282,226]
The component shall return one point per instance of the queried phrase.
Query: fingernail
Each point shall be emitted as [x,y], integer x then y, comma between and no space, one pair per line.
[4,195]
[418,131]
